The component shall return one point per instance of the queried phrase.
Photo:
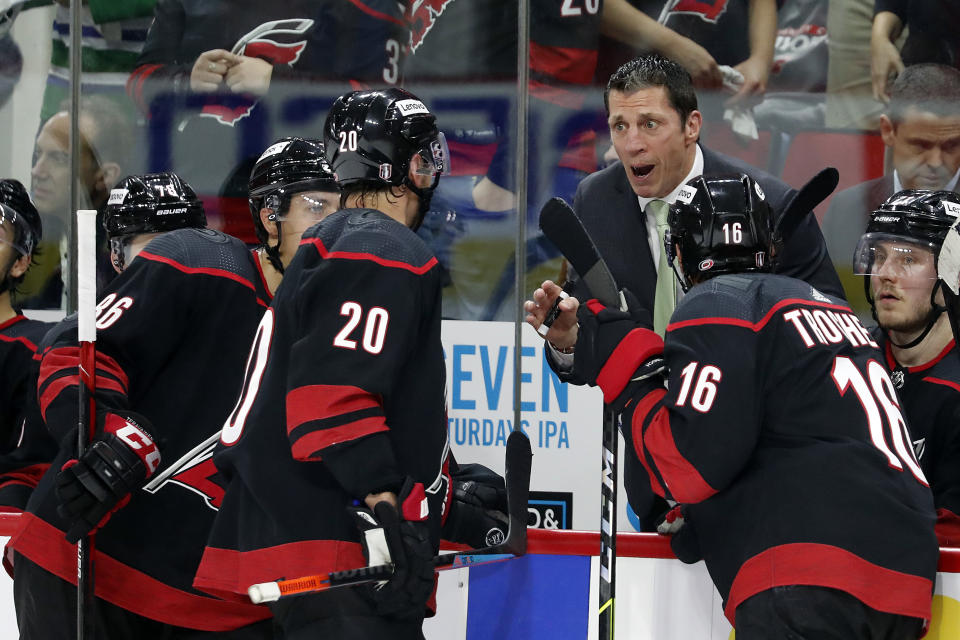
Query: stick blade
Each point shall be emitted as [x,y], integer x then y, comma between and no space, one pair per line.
[559,222]
[817,189]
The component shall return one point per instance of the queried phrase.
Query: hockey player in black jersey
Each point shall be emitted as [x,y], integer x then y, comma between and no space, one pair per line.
[20,231]
[779,432]
[899,253]
[344,402]
[172,335]
[291,189]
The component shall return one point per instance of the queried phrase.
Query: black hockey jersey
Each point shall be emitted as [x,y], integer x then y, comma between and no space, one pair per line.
[719,26]
[305,40]
[172,337]
[23,459]
[930,397]
[781,430]
[344,396]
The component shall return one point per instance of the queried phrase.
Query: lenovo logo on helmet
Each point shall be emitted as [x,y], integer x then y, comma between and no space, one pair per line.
[686,194]
[411,107]
[117,196]
[952,208]
[705,265]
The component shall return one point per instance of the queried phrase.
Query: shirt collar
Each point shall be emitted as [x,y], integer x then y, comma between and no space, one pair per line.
[695,171]
[950,186]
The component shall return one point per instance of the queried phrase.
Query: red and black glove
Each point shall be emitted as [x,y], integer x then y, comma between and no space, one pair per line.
[477,515]
[683,539]
[118,461]
[403,539]
[616,348]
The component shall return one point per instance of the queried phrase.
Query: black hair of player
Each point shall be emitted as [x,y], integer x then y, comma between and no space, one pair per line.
[17,210]
[719,224]
[287,167]
[653,70]
[924,217]
[371,136]
[151,203]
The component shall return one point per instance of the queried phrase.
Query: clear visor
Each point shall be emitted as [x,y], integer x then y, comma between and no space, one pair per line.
[436,157]
[312,204]
[10,221]
[893,256]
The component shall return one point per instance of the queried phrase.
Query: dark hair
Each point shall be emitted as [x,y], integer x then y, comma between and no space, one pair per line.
[654,70]
[933,88]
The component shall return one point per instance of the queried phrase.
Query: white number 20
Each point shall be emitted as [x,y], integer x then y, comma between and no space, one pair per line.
[374,329]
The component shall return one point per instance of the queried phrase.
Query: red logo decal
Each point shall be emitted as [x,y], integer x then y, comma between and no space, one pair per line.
[708,10]
[422,16]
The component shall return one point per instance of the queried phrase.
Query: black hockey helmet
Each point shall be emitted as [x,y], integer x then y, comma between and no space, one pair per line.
[151,203]
[902,234]
[17,210]
[370,137]
[289,166]
[719,224]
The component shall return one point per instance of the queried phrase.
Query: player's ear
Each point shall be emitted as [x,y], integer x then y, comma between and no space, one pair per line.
[418,174]
[268,218]
[20,266]
[887,130]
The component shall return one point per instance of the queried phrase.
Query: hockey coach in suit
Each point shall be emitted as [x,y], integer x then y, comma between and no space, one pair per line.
[655,127]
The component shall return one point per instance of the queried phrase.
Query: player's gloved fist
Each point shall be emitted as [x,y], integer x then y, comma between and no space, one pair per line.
[683,539]
[119,460]
[612,345]
[477,514]
[400,537]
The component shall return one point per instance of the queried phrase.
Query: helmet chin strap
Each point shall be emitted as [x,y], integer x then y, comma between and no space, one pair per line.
[425,195]
[273,253]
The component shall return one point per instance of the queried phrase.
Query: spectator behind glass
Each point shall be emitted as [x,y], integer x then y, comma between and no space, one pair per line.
[933,37]
[921,128]
[107,135]
[234,75]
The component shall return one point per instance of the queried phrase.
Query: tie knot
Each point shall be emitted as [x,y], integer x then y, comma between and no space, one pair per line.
[660,209]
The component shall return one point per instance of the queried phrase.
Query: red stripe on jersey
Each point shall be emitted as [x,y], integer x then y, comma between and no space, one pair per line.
[827,566]
[128,588]
[12,321]
[565,64]
[322,401]
[305,448]
[940,356]
[68,358]
[379,15]
[135,84]
[946,383]
[218,273]
[263,278]
[948,528]
[646,404]
[757,326]
[21,339]
[228,573]
[682,478]
[29,476]
[637,347]
[52,390]
[350,255]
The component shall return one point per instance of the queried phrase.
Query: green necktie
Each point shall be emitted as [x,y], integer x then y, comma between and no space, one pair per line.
[665,296]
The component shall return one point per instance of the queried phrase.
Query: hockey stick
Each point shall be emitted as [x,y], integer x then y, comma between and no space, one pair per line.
[517,476]
[561,225]
[804,201]
[86,336]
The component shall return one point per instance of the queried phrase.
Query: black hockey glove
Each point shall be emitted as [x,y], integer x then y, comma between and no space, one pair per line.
[615,348]
[401,538]
[477,515]
[683,539]
[117,462]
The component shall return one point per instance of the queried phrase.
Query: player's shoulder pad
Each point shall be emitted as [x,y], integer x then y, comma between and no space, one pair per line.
[202,249]
[368,234]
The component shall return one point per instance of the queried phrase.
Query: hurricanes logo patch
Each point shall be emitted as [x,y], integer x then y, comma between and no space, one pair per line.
[421,18]
[707,10]
[706,265]
[274,41]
